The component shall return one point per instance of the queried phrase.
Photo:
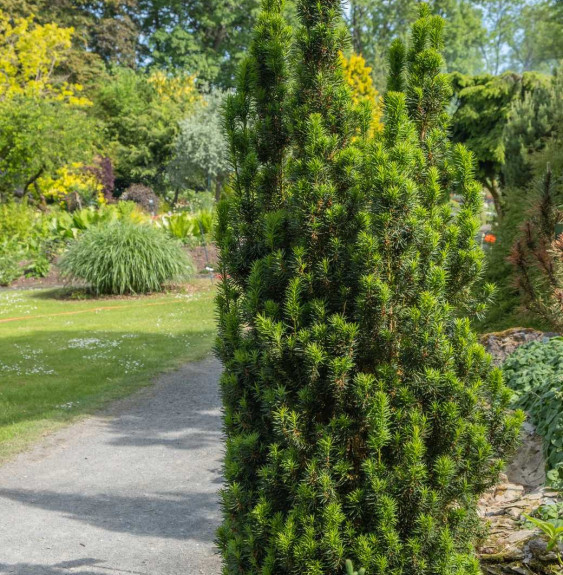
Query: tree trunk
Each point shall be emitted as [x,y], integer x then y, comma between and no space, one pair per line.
[491,185]
[33,179]
[218,188]
[176,195]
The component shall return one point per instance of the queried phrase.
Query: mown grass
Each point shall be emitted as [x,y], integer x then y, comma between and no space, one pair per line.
[57,364]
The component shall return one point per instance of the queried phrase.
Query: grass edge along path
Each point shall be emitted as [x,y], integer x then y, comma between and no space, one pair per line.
[62,360]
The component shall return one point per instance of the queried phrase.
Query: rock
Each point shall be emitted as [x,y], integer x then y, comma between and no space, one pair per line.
[506,493]
[538,549]
[511,549]
[528,466]
[501,344]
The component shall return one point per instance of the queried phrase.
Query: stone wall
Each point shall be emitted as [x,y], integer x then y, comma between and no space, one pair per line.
[510,548]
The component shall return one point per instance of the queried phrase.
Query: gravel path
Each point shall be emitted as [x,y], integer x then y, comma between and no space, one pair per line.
[130,492]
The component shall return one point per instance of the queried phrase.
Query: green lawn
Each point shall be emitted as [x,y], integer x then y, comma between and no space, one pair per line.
[57,364]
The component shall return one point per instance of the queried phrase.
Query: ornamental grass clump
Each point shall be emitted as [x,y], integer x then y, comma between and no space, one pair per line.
[363,418]
[125,258]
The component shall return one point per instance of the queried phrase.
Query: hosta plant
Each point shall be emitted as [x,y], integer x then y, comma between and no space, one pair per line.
[535,372]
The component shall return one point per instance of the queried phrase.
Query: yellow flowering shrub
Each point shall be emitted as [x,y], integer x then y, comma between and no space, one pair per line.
[29,55]
[358,76]
[73,179]
[178,89]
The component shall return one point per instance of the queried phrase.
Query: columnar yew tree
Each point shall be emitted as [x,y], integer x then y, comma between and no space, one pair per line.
[363,419]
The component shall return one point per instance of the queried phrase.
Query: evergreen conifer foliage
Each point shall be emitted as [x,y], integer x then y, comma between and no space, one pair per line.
[363,419]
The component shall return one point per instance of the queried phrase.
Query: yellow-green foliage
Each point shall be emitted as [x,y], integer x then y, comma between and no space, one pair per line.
[29,55]
[69,180]
[19,222]
[179,90]
[68,226]
[184,225]
[359,78]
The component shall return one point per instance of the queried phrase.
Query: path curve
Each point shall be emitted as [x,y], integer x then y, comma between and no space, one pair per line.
[130,492]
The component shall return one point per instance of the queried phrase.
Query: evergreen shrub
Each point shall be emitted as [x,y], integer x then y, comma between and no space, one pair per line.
[363,418]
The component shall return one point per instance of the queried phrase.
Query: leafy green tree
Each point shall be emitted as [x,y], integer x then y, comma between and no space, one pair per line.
[39,136]
[463,36]
[374,24]
[202,37]
[501,22]
[483,105]
[141,114]
[201,156]
[537,43]
[363,418]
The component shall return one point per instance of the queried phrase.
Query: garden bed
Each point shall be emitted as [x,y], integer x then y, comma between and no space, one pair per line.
[513,547]
[203,257]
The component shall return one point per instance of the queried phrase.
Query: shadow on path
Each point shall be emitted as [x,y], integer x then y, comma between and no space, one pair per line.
[186,516]
[147,471]
[63,568]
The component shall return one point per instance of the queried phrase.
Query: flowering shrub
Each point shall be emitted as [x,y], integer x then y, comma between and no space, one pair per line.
[72,186]
[358,76]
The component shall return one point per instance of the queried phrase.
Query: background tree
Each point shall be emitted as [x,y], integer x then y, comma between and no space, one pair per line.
[537,257]
[532,140]
[483,104]
[201,154]
[463,36]
[105,31]
[537,43]
[501,17]
[204,37]
[29,56]
[374,24]
[530,124]
[141,114]
[363,419]
[43,118]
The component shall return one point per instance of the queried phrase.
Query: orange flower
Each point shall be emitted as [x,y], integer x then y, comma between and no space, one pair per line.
[490,238]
